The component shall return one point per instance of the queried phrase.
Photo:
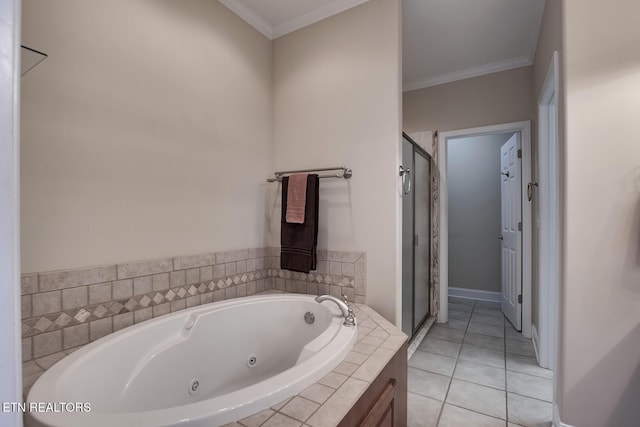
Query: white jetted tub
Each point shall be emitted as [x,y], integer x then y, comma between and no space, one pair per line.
[204,366]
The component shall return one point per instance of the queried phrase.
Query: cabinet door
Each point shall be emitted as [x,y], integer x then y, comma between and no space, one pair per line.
[384,403]
[381,415]
[387,421]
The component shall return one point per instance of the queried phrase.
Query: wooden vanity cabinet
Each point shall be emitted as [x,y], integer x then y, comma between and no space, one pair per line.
[384,403]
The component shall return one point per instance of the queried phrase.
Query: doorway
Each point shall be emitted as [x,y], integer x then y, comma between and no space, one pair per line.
[548,222]
[484,199]
[416,235]
[523,274]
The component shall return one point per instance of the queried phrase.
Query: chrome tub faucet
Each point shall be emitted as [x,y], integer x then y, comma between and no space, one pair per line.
[347,312]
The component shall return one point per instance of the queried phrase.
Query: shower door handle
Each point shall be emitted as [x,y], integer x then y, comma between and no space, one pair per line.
[405,173]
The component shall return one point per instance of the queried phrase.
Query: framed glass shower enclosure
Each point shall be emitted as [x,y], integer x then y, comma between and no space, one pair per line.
[415,173]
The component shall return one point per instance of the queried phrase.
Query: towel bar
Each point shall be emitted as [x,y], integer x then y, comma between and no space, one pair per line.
[343,172]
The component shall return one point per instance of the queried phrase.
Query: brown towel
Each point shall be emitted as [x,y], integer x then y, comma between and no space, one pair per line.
[296,198]
[299,241]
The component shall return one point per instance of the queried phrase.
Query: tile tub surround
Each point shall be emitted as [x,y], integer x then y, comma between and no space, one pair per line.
[322,404]
[62,310]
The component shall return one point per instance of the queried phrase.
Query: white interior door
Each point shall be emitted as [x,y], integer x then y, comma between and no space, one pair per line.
[511,223]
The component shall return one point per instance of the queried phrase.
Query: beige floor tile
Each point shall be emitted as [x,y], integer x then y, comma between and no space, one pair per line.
[489,312]
[528,412]
[484,341]
[483,318]
[438,346]
[422,411]
[480,374]
[460,315]
[530,386]
[465,301]
[490,305]
[522,348]
[431,362]
[460,325]
[482,392]
[452,416]
[512,334]
[446,334]
[484,329]
[460,307]
[482,355]
[528,365]
[427,383]
[478,398]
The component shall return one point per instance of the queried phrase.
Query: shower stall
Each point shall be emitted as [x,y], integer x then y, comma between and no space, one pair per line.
[415,173]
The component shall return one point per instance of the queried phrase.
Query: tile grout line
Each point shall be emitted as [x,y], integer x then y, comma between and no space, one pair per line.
[504,358]
[466,381]
[444,401]
[504,353]
[477,412]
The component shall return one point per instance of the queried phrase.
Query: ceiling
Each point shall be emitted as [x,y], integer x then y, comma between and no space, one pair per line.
[275,18]
[443,40]
[448,40]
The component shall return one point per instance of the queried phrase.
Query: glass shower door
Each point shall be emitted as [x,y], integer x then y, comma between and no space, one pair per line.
[407,238]
[416,235]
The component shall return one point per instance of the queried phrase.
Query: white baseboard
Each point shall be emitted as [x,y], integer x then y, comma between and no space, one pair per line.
[556,418]
[474,294]
[536,342]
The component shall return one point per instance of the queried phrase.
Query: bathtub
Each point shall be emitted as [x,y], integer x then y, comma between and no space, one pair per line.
[205,366]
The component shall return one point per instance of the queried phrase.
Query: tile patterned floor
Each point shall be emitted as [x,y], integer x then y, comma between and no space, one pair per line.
[477,371]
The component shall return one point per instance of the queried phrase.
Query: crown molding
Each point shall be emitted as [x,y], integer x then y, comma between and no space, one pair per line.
[316,15]
[272,32]
[468,73]
[250,17]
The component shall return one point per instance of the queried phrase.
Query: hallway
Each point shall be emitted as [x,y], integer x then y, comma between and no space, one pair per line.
[477,370]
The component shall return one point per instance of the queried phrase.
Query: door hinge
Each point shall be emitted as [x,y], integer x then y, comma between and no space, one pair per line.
[519,299]
[519,226]
[519,153]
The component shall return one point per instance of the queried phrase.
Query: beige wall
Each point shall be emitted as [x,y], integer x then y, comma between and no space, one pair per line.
[549,40]
[145,133]
[480,101]
[600,313]
[337,88]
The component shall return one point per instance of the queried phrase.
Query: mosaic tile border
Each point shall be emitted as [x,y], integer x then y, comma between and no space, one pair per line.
[62,310]
[435,230]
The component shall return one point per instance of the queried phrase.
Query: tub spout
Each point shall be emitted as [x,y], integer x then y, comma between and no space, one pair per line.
[347,312]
